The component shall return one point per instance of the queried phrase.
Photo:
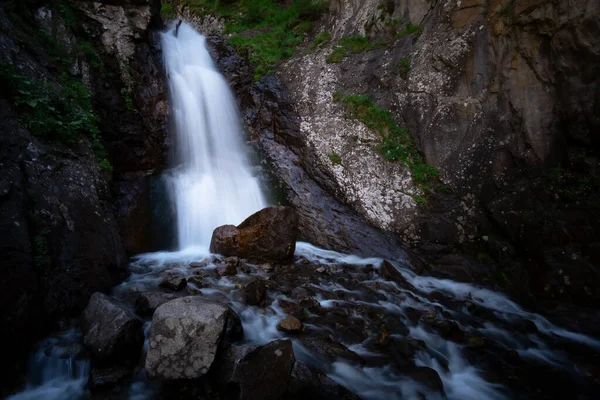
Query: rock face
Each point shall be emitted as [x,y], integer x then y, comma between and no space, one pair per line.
[148,302]
[184,337]
[111,331]
[257,373]
[268,235]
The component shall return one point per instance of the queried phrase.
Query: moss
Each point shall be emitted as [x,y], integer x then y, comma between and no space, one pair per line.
[419,199]
[335,158]
[352,44]
[90,53]
[167,11]
[323,37]
[396,143]
[404,67]
[410,29]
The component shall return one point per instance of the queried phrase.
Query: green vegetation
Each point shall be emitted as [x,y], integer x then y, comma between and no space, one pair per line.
[54,112]
[167,11]
[352,44]
[323,37]
[335,158]
[409,29]
[419,199]
[127,98]
[90,54]
[404,67]
[396,143]
[268,30]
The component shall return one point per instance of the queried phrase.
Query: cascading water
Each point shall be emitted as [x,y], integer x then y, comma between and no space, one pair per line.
[212,183]
[346,296]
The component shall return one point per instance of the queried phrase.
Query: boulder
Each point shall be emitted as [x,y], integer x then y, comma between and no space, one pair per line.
[427,377]
[257,373]
[234,331]
[110,330]
[173,281]
[226,269]
[328,350]
[102,379]
[268,235]
[290,325]
[148,302]
[255,292]
[184,337]
[306,383]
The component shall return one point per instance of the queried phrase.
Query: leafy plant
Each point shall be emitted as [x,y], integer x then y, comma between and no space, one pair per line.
[352,44]
[127,98]
[404,67]
[410,29]
[335,158]
[90,54]
[323,37]
[167,11]
[396,143]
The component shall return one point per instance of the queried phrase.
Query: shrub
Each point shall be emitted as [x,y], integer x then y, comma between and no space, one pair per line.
[335,158]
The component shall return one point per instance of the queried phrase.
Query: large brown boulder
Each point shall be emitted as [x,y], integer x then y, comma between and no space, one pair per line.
[268,235]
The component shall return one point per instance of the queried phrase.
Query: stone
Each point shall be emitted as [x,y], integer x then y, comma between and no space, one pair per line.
[102,379]
[329,350]
[290,325]
[257,373]
[390,273]
[427,377]
[255,292]
[226,269]
[268,235]
[173,281]
[198,281]
[176,349]
[234,330]
[110,330]
[148,302]
[307,383]
[383,337]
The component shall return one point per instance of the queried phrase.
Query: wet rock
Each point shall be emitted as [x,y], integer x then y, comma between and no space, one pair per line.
[148,302]
[234,330]
[199,264]
[176,350]
[289,307]
[268,235]
[265,267]
[427,377]
[102,379]
[290,325]
[255,292]
[329,350]
[198,281]
[173,281]
[257,373]
[306,383]
[226,269]
[110,330]
[383,337]
[390,273]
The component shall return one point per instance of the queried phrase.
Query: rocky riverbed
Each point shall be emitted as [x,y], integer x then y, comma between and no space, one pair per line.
[323,324]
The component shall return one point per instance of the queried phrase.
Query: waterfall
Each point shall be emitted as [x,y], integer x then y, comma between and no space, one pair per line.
[211,180]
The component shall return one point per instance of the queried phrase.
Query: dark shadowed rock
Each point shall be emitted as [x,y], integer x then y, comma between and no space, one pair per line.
[173,281]
[176,349]
[226,269]
[307,383]
[268,235]
[255,292]
[329,350]
[390,273]
[427,377]
[234,331]
[257,373]
[111,331]
[290,325]
[148,302]
[107,378]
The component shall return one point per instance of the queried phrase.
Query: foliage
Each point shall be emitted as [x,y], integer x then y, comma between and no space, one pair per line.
[419,199]
[335,158]
[90,54]
[352,44]
[53,112]
[323,37]
[404,67]
[127,99]
[167,11]
[269,31]
[396,143]
[409,29]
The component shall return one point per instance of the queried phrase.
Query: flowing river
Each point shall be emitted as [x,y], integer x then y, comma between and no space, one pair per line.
[481,344]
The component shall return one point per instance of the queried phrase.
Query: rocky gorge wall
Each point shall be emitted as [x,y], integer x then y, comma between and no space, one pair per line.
[82,115]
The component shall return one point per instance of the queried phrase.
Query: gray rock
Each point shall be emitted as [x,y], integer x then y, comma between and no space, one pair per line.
[267,235]
[111,331]
[390,273]
[255,292]
[306,383]
[257,373]
[184,337]
[148,302]
[173,281]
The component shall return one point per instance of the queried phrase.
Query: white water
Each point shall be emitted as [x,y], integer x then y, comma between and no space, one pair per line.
[212,183]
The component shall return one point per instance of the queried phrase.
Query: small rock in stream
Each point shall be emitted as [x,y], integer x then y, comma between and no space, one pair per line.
[173,281]
[390,273]
[148,302]
[102,379]
[307,383]
[427,377]
[255,292]
[329,350]
[226,270]
[290,325]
